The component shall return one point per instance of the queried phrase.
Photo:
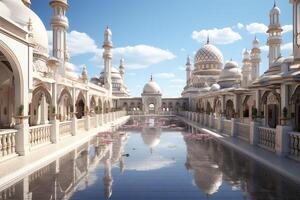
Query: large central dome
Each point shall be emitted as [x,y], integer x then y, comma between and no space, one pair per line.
[151,87]
[208,59]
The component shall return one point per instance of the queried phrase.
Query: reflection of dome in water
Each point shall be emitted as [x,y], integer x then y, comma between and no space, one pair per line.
[207,175]
[151,136]
[208,179]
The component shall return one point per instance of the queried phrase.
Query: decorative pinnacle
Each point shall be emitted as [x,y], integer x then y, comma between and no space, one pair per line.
[275,3]
[151,78]
[207,41]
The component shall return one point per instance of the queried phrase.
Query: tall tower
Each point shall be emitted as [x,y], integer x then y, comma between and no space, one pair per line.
[122,68]
[296,29]
[255,59]
[188,70]
[274,31]
[60,25]
[246,70]
[107,57]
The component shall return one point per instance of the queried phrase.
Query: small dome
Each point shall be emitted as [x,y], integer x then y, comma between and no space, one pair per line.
[275,10]
[151,88]
[230,75]
[16,11]
[246,55]
[215,87]
[255,43]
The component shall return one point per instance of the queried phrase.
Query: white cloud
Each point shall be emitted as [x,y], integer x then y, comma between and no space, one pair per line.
[183,49]
[287,28]
[264,48]
[217,36]
[255,27]
[136,57]
[287,46]
[78,43]
[240,25]
[177,80]
[182,68]
[284,47]
[152,163]
[164,75]
[142,56]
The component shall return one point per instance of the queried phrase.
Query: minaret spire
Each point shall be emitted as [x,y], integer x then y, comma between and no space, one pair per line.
[207,41]
[151,78]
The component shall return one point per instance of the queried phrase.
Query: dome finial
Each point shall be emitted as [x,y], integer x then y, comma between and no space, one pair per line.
[275,3]
[207,41]
[151,78]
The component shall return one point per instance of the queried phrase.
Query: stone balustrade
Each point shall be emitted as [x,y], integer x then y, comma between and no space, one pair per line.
[65,128]
[294,145]
[21,141]
[227,126]
[81,124]
[242,131]
[93,121]
[7,143]
[266,137]
[39,135]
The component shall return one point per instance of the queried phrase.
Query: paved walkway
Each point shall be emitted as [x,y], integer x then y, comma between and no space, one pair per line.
[15,169]
[283,165]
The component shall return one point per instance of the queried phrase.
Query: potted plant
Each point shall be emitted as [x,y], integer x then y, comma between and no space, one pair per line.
[254,113]
[21,115]
[284,115]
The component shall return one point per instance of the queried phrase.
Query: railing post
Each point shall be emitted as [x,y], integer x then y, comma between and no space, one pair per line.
[74,125]
[282,140]
[253,132]
[88,122]
[234,128]
[54,131]
[211,120]
[221,124]
[22,139]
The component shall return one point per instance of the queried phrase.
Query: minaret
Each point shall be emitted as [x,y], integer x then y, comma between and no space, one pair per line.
[255,59]
[188,70]
[27,3]
[274,31]
[60,25]
[246,70]
[122,68]
[296,29]
[107,57]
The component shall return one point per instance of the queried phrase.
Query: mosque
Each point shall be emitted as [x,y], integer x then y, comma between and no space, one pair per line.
[40,88]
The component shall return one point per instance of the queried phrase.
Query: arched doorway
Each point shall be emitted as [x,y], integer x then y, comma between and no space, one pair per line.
[40,108]
[93,104]
[229,110]
[65,103]
[296,108]
[218,107]
[80,106]
[11,87]
[151,108]
[271,102]
[208,108]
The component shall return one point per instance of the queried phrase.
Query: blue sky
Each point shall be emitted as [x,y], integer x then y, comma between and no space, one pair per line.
[155,36]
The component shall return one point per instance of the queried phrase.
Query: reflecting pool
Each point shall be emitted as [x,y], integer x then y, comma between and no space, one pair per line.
[153,158]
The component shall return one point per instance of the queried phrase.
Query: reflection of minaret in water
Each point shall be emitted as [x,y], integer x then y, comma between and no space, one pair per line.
[107,179]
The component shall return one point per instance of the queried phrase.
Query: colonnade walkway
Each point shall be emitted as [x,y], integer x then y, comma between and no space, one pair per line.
[281,164]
